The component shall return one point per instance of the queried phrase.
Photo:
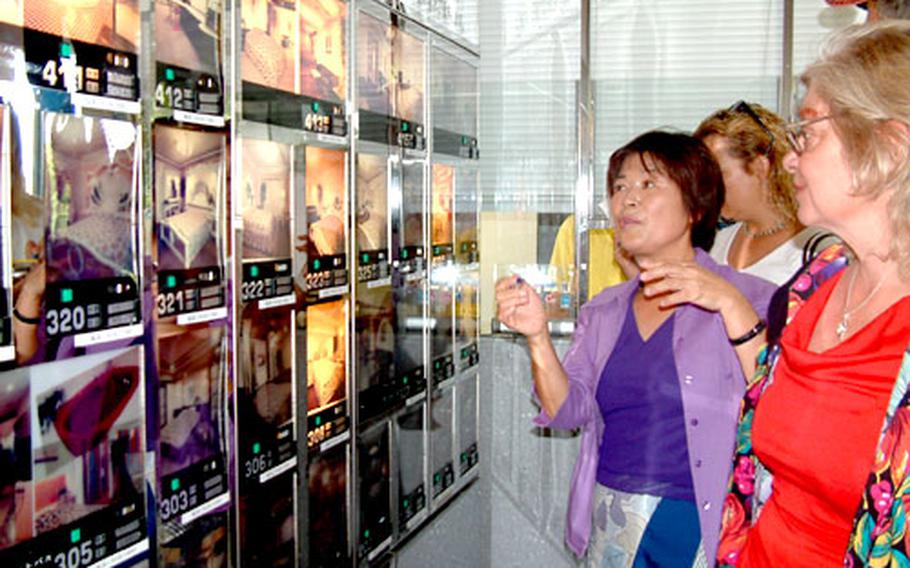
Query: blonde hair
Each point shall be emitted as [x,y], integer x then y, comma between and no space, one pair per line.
[862,75]
[747,140]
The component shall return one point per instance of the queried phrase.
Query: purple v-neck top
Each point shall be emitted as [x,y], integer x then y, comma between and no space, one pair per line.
[643,448]
[710,378]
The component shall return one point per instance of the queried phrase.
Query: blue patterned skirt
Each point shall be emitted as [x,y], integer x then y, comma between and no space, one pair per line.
[631,530]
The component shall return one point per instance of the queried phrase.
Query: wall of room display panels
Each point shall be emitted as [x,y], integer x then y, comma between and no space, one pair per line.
[238,280]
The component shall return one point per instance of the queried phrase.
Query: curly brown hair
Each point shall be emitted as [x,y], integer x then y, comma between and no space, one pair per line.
[747,140]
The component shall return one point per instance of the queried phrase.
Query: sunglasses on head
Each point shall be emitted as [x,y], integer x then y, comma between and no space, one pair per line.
[745,108]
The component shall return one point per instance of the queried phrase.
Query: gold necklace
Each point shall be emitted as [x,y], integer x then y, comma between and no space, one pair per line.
[844,324]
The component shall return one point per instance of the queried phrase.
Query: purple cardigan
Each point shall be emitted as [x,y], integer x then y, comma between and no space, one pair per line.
[710,379]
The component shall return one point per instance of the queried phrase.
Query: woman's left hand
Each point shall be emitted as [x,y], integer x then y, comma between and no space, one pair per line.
[687,283]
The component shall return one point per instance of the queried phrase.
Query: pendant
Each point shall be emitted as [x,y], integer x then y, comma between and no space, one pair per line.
[841,330]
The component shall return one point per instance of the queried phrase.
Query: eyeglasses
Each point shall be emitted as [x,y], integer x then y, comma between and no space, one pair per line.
[743,107]
[797,135]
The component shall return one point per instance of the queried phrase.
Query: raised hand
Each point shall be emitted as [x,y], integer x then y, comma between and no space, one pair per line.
[519,307]
[680,283]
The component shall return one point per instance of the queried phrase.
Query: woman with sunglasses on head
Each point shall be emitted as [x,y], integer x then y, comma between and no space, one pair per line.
[820,474]
[655,371]
[767,240]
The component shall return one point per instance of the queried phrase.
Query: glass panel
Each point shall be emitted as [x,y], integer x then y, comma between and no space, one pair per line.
[408,63]
[326,355]
[454,95]
[441,440]
[325,202]
[111,23]
[375,490]
[189,34]
[375,329]
[271,44]
[467,424]
[323,49]
[328,536]
[411,456]
[374,65]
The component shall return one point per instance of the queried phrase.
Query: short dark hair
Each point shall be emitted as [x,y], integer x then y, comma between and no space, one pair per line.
[688,162]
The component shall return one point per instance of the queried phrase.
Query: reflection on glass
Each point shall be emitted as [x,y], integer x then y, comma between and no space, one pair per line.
[87,436]
[188,196]
[270,39]
[91,186]
[188,34]
[466,212]
[265,199]
[375,337]
[268,525]
[11,12]
[467,310]
[325,201]
[16,489]
[265,373]
[190,397]
[326,354]
[371,204]
[328,479]
[112,23]
[322,49]
[441,318]
[411,453]
[455,90]
[204,543]
[441,211]
[374,488]
[467,413]
[374,62]
[441,431]
[412,204]
[409,327]
[408,60]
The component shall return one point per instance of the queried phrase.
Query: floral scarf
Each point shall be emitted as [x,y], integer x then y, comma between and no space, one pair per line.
[750,482]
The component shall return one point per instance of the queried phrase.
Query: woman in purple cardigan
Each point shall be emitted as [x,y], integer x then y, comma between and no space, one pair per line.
[656,368]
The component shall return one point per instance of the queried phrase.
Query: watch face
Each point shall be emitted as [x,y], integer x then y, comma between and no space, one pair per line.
[111,23]
[323,49]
